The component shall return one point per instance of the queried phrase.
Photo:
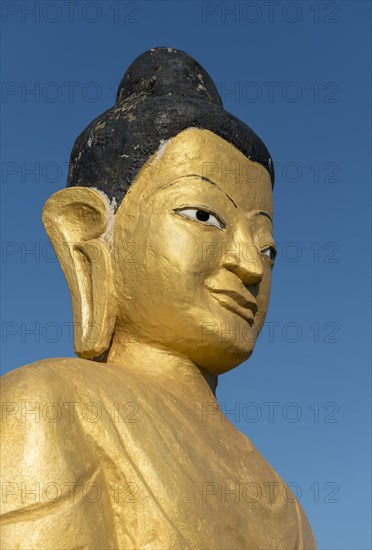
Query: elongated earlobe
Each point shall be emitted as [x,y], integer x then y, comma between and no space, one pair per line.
[76,220]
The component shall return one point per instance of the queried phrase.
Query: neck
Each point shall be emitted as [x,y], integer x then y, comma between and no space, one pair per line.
[148,356]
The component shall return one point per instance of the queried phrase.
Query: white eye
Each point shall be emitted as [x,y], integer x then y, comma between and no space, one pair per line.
[202,216]
[270,252]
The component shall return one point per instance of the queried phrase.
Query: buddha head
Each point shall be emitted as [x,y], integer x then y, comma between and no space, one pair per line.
[164,231]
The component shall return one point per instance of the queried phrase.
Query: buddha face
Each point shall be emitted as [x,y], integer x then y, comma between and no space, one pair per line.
[193,251]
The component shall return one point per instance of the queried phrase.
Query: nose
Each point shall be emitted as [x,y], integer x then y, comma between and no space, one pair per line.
[243,258]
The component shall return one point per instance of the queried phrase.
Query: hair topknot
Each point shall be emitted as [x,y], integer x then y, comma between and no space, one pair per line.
[167,72]
[163,92]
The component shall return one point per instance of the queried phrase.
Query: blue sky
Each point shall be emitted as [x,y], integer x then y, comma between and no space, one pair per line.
[298,74]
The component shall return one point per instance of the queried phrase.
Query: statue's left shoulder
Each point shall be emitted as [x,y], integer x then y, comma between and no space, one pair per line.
[306,533]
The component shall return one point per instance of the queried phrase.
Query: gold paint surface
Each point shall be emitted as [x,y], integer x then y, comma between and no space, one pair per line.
[135,452]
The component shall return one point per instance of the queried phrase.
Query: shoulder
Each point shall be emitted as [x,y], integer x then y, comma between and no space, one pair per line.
[54,377]
[47,451]
[43,438]
[49,396]
[307,536]
[54,395]
[46,369]
[64,373]
[32,396]
[37,406]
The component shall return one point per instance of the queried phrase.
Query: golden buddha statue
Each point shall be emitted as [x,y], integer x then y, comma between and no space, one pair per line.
[164,234]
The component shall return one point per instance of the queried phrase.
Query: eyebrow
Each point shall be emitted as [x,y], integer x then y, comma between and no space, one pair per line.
[261,213]
[207,180]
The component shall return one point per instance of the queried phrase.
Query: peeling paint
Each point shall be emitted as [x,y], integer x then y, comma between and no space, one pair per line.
[111,206]
[161,150]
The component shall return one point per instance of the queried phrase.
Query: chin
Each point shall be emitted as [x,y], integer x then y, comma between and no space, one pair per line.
[227,340]
[224,362]
[219,356]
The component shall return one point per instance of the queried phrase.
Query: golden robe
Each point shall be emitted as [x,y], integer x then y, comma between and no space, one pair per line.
[99,456]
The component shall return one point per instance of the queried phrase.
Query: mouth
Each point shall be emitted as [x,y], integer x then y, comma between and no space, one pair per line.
[237,303]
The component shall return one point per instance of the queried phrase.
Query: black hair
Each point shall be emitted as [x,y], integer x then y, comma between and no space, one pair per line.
[163,92]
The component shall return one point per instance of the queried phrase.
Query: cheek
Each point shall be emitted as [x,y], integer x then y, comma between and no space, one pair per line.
[176,261]
[263,298]
[161,273]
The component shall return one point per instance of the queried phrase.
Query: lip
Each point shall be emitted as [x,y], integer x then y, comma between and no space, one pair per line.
[237,303]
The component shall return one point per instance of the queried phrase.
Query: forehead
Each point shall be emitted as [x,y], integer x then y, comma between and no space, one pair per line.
[203,153]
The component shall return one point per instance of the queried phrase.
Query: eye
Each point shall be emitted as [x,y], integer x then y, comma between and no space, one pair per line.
[270,252]
[201,215]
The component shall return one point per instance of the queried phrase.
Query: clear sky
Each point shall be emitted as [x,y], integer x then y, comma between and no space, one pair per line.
[298,74]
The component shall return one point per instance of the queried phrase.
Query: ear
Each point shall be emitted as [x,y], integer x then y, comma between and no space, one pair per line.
[77,221]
